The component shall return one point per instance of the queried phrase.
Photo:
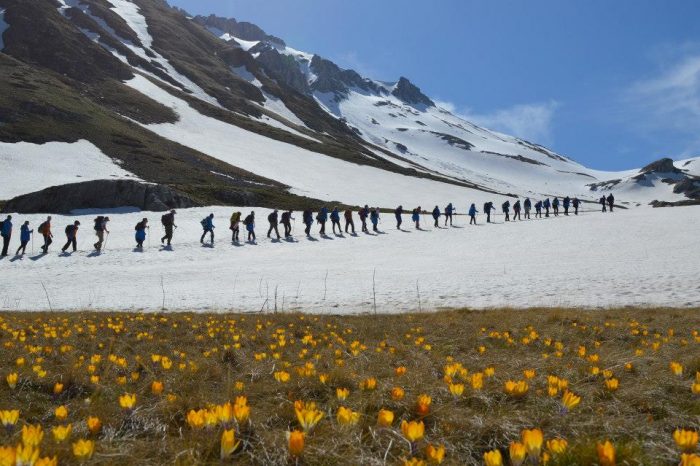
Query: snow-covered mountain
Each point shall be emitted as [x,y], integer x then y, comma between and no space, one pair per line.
[226,113]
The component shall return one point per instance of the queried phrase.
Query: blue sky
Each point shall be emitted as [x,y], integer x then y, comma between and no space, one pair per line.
[613,84]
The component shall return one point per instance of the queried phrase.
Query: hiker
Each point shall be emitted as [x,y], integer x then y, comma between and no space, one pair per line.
[566,203]
[308,219]
[546,206]
[449,210]
[538,209]
[349,222]
[208,227]
[45,230]
[249,223]
[141,233]
[472,214]
[286,220]
[71,236]
[364,213]
[602,202]
[335,220]
[374,218]
[399,220]
[322,218]
[516,210]
[555,206]
[25,235]
[6,233]
[506,210]
[488,206]
[235,226]
[528,207]
[273,220]
[611,202]
[168,222]
[100,230]
[576,203]
[436,216]
[415,217]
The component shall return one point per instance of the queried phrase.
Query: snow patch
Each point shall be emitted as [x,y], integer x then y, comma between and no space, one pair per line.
[39,166]
[242,72]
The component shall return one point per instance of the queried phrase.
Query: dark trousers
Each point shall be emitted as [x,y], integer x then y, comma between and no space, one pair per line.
[323,228]
[527,213]
[234,233]
[437,225]
[308,229]
[349,224]
[287,230]
[22,247]
[71,242]
[472,220]
[516,215]
[575,210]
[47,243]
[448,217]
[5,244]
[610,204]
[507,214]
[251,236]
[488,216]
[273,227]
[546,213]
[211,233]
[168,235]
[364,225]
[399,221]
[566,210]
[556,211]
[337,223]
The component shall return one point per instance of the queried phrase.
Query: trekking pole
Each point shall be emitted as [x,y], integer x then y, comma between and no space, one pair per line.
[32,244]
[104,246]
[149,237]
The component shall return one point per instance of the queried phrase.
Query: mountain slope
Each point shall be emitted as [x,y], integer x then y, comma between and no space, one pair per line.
[226,113]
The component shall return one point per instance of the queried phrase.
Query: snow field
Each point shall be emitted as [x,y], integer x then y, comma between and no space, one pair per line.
[641,257]
[39,166]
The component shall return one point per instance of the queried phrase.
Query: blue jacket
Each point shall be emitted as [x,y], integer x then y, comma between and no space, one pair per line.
[374,217]
[546,204]
[322,215]
[6,228]
[335,215]
[140,235]
[436,213]
[472,211]
[415,217]
[449,209]
[208,223]
[25,234]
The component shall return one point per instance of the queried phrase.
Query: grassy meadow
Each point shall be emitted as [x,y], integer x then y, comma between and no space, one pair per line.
[536,386]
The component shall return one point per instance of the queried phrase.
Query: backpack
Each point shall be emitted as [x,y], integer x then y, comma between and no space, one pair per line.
[42,228]
[271,218]
[98,223]
[204,222]
[69,230]
[166,220]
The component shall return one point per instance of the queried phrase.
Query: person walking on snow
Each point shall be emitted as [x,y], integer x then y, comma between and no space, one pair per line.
[575,203]
[308,219]
[45,231]
[374,218]
[6,233]
[555,206]
[398,214]
[208,227]
[249,223]
[488,207]
[168,222]
[566,203]
[436,216]
[349,222]
[611,202]
[546,206]
[538,209]
[335,220]
[287,222]
[25,235]
[506,210]
[602,202]
[449,210]
[235,227]
[364,213]
[516,210]
[71,236]
[100,230]
[415,217]
[528,207]
[472,214]
[273,220]
[322,218]
[140,234]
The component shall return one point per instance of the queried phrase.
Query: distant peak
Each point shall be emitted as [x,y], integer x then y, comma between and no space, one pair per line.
[410,93]
[242,30]
[664,165]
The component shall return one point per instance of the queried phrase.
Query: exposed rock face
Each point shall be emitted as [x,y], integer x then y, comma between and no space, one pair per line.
[99,194]
[688,186]
[281,68]
[331,78]
[242,30]
[664,165]
[411,94]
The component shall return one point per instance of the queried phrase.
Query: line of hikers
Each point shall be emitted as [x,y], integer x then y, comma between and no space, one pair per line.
[542,207]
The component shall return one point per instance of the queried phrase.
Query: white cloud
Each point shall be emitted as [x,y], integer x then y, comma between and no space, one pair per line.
[527,121]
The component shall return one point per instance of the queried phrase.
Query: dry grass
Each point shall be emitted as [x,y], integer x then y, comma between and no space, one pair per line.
[212,352]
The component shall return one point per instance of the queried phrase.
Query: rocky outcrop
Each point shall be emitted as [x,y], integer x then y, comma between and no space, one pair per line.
[690,187]
[242,30]
[333,79]
[664,165]
[99,194]
[282,68]
[411,94]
